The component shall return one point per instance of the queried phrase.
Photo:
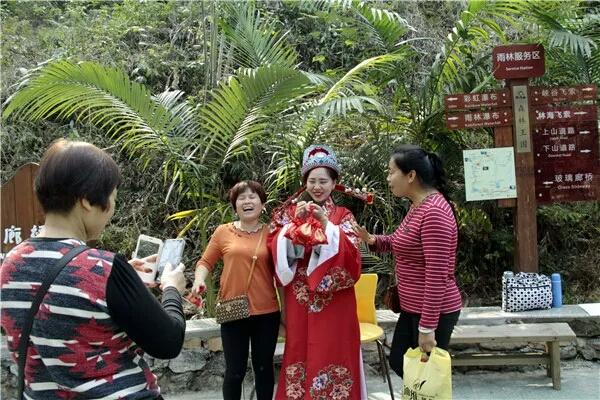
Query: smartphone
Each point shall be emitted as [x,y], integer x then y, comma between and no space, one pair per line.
[171,252]
[147,246]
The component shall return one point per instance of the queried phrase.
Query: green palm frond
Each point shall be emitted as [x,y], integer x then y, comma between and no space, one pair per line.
[343,105]
[106,98]
[353,77]
[256,41]
[242,105]
[387,27]
[475,28]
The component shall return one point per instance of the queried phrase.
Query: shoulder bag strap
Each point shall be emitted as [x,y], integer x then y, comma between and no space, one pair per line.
[35,305]
[254,257]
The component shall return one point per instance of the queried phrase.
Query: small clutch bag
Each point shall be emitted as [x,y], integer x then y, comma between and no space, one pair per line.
[232,309]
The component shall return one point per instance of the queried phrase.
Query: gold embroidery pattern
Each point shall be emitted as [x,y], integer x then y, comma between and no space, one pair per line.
[295,375]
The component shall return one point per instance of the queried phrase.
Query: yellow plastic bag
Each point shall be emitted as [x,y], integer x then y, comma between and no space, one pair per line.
[430,380]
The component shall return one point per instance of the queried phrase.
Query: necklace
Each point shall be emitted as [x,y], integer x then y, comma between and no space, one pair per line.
[238,225]
[413,209]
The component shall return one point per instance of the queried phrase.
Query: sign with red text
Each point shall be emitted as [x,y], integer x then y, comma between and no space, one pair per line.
[518,61]
[460,101]
[567,181]
[479,119]
[545,95]
[549,114]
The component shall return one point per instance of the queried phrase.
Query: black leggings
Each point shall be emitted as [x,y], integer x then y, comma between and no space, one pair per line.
[406,335]
[261,332]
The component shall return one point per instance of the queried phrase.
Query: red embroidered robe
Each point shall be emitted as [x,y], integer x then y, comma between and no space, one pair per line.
[322,358]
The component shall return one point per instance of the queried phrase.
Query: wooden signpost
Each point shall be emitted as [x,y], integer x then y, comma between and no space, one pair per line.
[554,132]
[22,215]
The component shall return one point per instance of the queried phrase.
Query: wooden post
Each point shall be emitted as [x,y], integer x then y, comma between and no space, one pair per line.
[525,223]
[503,137]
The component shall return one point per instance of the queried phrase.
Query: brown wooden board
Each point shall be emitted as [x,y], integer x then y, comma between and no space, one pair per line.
[566,142]
[458,101]
[479,119]
[576,180]
[518,61]
[21,211]
[559,94]
[543,114]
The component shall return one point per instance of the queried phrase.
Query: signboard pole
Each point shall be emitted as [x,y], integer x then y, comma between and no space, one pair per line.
[503,137]
[525,223]
[559,162]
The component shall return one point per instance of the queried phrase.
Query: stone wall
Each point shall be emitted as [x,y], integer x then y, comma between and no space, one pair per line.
[200,365]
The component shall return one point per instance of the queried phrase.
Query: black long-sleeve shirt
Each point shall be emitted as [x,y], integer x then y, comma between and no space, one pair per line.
[158,329]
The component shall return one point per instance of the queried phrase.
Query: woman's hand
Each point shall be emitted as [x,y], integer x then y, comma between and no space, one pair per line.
[141,265]
[199,285]
[301,209]
[427,341]
[318,212]
[173,277]
[363,234]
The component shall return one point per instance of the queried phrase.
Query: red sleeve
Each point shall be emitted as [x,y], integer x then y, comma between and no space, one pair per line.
[437,231]
[383,244]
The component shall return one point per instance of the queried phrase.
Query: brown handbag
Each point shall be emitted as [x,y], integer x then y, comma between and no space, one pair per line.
[238,307]
[390,298]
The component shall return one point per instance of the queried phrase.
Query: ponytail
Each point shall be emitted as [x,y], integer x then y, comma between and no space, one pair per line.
[439,178]
[439,175]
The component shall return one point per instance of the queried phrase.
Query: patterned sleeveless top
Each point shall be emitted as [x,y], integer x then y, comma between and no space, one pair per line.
[75,348]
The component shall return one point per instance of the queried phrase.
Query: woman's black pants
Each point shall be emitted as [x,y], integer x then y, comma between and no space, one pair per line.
[259,331]
[406,335]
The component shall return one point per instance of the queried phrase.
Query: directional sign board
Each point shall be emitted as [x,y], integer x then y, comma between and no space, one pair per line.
[568,181]
[479,119]
[548,114]
[518,61]
[460,101]
[566,142]
[546,95]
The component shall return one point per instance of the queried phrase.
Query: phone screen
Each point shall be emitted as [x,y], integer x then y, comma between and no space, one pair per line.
[171,252]
[146,248]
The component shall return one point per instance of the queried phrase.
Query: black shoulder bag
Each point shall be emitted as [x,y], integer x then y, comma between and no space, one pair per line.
[35,306]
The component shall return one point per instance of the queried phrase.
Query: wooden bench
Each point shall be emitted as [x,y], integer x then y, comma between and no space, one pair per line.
[552,334]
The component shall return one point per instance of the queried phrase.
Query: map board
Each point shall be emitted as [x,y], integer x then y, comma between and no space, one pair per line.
[490,174]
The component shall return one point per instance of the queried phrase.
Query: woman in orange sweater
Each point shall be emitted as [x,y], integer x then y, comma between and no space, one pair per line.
[237,243]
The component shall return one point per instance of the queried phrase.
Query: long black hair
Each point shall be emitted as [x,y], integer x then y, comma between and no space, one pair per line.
[427,165]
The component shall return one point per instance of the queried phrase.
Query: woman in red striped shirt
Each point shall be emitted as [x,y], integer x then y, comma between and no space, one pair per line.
[424,246]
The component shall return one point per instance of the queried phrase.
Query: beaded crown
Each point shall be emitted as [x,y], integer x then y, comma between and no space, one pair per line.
[319,155]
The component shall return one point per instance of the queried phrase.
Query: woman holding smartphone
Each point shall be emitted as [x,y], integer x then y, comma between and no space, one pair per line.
[237,244]
[97,318]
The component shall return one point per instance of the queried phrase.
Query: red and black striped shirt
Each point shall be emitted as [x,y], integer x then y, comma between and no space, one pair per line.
[424,246]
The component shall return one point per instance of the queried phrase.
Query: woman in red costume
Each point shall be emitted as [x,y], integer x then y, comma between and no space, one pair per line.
[322,358]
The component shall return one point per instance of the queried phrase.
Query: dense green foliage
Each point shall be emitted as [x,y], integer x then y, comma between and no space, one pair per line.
[194,96]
